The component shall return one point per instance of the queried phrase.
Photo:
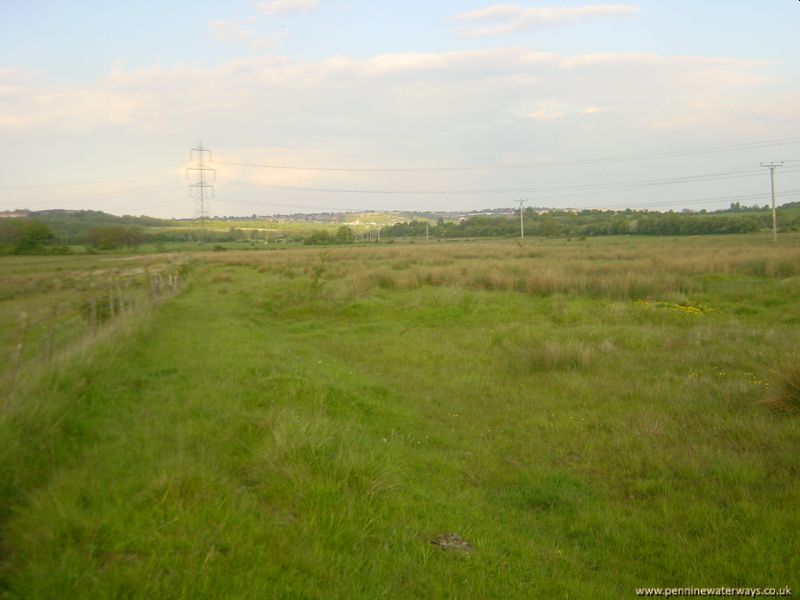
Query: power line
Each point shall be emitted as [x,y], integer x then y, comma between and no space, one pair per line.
[201,189]
[562,163]
[161,203]
[85,181]
[700,200]
[132,192]
[726,198]
[294,206]
[152,189]
[598,186]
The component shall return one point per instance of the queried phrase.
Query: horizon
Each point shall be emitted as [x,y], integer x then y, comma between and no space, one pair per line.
[462,213]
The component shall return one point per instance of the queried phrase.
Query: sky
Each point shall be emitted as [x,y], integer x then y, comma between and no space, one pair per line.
[330,105]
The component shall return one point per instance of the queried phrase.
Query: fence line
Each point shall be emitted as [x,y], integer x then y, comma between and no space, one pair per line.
[118,297]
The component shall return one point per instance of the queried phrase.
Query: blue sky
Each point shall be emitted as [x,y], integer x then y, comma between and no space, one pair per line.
[100,102]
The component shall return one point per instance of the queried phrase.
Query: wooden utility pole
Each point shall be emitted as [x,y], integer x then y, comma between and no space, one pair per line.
[772,166]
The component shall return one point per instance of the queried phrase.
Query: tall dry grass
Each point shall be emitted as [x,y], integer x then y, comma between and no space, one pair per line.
[618,270]
[784,393]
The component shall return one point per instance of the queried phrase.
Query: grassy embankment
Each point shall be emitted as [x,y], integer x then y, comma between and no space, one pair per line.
[301,423]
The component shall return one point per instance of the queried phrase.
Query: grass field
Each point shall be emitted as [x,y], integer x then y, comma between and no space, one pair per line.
[301,423]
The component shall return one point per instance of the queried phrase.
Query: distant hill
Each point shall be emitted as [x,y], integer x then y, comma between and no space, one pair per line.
[92,218]
[68,225]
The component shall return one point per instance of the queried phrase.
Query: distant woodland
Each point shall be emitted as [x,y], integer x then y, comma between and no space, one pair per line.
[61,231]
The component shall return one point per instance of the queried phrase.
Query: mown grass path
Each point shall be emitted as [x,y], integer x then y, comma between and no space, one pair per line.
[263,437]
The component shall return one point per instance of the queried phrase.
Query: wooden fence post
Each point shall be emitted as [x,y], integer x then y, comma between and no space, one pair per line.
[16,358]
[51,330]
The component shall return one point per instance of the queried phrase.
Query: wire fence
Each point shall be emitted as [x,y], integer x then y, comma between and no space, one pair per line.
[54,322]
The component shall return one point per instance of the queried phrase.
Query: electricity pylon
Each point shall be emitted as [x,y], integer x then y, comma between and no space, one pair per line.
[201,190]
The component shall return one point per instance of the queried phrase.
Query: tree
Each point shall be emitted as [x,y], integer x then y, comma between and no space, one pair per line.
[115,236]
[33,237]
[320,236]
[344,235]
[9,234]
[549,227]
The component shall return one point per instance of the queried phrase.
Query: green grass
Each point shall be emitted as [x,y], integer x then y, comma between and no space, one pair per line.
[301,424]
[49,306]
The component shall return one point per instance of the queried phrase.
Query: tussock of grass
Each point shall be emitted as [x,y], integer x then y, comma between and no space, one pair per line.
[559,355]
[784,395]
[222,278]
[382,278]
[528,351]
[305,449]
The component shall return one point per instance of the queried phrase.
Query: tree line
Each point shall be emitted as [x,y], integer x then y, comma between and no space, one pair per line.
[589,223]
[98,233]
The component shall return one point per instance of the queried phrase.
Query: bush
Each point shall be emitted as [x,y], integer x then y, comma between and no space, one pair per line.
[318,238]
[26,236]
[111,237]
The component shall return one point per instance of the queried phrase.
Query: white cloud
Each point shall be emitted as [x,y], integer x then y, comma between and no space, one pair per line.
[285,7]
[228,31]
[15,74]
[489,106]
[551,110]
[513,18]
[545,115]
[225,31]
[451,100]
